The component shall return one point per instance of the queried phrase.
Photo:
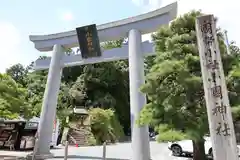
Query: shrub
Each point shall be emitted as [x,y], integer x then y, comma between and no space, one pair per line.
[91,141]
[105,125]
[166,134]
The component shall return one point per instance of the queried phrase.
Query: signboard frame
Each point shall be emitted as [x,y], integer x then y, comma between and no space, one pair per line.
[88,40]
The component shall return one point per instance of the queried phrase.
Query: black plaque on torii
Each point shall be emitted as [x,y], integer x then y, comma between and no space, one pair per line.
[88,41]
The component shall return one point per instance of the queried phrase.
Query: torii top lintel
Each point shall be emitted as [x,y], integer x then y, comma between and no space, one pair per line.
[146,23]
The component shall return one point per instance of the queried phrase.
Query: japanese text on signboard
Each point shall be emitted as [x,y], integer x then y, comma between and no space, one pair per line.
[88,41]
[212,65]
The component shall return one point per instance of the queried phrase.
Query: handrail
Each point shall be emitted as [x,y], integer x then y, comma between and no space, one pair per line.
[72,138]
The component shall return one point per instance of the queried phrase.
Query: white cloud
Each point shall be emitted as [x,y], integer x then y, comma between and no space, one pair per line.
[66,16]
[148,4]
[9,45]
[224,10]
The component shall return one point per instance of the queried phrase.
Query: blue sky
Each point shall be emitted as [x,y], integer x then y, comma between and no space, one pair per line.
[19,19]
[44,17]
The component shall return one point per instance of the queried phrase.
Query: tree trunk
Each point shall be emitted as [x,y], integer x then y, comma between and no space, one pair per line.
[199,150]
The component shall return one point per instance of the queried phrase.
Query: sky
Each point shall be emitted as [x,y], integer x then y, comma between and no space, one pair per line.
[19,19]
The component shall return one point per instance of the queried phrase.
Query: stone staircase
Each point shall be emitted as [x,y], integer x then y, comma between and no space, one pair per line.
[77,137]
[80,133]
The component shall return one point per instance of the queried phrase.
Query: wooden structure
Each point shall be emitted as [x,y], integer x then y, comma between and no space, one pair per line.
[10,134]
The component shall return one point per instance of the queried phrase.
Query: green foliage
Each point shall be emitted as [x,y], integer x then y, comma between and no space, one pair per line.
[91,141]
[174,85]
[18,73]
[171,136]
[104,84]
[93,85]
[112,44]
[236,113]
[12,99]
[105,125]
[36,82]
[167,134]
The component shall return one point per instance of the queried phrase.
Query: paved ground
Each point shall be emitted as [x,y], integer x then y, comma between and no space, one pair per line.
[117,152]
[120,151]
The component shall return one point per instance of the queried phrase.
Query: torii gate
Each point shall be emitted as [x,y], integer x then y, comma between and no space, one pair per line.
[135,51]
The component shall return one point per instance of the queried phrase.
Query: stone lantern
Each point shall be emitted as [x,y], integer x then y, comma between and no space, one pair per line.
[83,113]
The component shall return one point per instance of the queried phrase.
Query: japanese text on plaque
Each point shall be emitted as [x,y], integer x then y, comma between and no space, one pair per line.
[212,65]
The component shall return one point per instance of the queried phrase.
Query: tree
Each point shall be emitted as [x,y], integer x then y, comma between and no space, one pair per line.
[104,85]
[174,85]
[18,73]
[12,99]
[36,87]
[36,82]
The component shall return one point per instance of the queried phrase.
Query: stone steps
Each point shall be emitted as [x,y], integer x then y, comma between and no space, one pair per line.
[79,137]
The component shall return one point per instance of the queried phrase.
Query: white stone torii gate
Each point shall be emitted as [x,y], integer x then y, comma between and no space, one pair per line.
[135,51]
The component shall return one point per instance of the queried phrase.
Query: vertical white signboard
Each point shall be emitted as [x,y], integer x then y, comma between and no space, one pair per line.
[216,94]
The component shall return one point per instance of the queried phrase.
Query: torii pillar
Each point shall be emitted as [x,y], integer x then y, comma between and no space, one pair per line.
[140,135]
